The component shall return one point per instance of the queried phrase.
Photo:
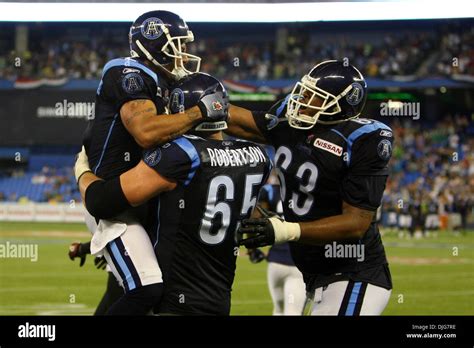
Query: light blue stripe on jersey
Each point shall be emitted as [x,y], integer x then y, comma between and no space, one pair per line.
[127,62]
[270,192]
[190,150]
[105,143]
[122,265]
[353,299]
[368,128]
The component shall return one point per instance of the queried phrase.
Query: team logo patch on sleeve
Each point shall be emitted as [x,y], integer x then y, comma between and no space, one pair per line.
[328,146]
[384,149]
[132,83]
[152,28]
[152,157]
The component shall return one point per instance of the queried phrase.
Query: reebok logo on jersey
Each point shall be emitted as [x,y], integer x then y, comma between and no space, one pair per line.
[130,70]
[328,146]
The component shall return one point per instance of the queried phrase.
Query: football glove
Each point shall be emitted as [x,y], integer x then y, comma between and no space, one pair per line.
[256,255]
[100,262]
[82,164]
[78,250]
[255,233]
[214,106]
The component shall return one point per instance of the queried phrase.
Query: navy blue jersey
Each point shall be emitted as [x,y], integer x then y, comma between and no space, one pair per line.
[110,148]
[218,185]
[278,253]
[320,168]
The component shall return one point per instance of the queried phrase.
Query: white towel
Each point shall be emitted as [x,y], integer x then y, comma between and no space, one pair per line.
[106,231]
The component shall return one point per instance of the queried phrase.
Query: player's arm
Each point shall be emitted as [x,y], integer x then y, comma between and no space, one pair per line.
[149,129]
[241,124]
[351,224]
[138,112]
[107,198]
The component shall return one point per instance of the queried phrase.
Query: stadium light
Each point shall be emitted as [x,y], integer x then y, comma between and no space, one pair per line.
[237,12]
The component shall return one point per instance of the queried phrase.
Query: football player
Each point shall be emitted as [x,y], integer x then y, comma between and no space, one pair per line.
[130,114]
[206,186]
[332,165]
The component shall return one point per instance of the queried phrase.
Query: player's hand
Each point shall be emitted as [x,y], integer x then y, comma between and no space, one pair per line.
[214,105]
[100,262]
[256,255]
[82,164]
[76,250]
[255,233]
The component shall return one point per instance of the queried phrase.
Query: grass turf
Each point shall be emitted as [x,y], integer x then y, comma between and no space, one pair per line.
[432,276]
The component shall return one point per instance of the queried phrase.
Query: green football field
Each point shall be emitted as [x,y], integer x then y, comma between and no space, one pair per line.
[432,276]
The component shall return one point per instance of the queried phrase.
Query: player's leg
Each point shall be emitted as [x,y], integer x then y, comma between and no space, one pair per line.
[275,276]
[294,292]
[349,298]
[328,300]
[375,300]
[113,292]
[132,260]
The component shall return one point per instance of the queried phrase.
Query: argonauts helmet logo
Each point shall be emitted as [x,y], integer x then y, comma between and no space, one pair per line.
[132,83]
[177,101]
[151,28]
[356,94]
[384,149]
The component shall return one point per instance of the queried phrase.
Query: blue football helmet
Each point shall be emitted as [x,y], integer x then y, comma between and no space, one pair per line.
[160,36]
[187,92]
[332,92]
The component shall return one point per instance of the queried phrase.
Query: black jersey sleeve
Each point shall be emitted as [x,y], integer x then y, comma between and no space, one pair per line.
[121,84]
[267,122]
[177,160]
[369,154]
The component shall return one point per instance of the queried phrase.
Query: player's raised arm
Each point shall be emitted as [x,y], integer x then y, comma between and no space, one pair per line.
[241,124]
[149,129]
[105,199]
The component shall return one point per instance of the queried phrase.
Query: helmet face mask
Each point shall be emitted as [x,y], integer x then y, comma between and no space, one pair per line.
[303,96]
[184,63]
[326,96]
[159,36]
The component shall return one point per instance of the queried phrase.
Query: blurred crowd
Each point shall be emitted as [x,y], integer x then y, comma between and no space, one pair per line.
[50,185]
[432,180]
[392,54]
